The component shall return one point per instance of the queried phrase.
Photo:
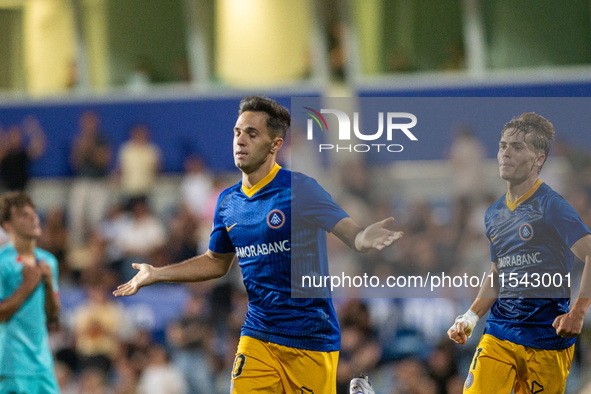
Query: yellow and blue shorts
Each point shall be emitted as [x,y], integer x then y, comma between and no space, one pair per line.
[267,368]
[501,366]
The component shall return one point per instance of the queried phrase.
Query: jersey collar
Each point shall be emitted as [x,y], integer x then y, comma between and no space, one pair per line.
[528,194]
[262,183]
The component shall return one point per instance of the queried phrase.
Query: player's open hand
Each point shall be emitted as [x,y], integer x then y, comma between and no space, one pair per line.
[376,236]
[144,277]
[569,325]
[457,333]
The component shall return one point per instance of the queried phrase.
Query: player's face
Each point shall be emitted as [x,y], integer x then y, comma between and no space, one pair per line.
[24,222]
[253,145]
[518,160]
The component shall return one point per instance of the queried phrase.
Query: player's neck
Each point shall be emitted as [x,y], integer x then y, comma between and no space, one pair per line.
[251,179]
[24,246]
[516,190]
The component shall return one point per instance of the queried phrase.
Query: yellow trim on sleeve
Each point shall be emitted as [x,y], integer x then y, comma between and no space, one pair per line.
[528,194]
[262,183]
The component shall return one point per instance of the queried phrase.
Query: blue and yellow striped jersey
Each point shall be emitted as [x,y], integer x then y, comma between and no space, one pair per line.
[281,219]
[24,350]
[530,242]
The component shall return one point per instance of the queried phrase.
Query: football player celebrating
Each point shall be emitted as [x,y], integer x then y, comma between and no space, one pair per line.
[271,220]
[529,336]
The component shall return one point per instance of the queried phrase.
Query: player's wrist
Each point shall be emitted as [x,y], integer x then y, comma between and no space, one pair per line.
[469,319]
[157,274]
[580,306]
[579,312]
[358,242]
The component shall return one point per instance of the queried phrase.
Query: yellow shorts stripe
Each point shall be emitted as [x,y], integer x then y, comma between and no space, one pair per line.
[268,368]
[500,366]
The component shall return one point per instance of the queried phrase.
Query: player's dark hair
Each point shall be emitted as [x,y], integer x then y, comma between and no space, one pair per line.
[540,130]
[278,119]
[13,199]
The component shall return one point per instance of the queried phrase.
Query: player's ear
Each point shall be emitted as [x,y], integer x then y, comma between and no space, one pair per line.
[540,159]
[277,144]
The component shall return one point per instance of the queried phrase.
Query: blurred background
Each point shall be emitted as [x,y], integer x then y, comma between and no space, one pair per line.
[116,116]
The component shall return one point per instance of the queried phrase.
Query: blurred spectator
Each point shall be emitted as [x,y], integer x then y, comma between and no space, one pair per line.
[197,187]
[355,180]
[360,350]
[54,237]
[89,197]
[160,376]
[91,256]
[137,352]
[15,157]
[455,384]
[227,337]
[182,242]
[65,378]
[410,377]
[125,377]
[98,325]
[442,366]
[93,381]
[111,229]
[139,237]
[190,337]
[138,164]
[466,159]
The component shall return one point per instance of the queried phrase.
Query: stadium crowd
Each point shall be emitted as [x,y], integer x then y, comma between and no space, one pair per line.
[104,345]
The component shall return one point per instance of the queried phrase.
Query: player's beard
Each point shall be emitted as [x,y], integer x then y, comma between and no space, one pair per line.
[253,164]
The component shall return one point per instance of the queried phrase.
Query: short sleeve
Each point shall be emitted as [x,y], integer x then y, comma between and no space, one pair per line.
[315,204]
[219,241]
[565,220]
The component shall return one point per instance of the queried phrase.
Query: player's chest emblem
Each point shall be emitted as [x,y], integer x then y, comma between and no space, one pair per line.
[526,232]
[275,219]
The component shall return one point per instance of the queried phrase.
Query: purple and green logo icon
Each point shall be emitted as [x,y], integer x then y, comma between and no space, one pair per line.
[387,122]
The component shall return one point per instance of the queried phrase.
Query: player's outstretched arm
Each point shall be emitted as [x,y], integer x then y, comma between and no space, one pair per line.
[464,324]
[197,269]
[375,236]
[571,324]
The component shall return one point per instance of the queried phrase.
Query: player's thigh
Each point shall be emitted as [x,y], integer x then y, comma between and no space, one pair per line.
[492,369]
[307,372]
[255,369]
[544,371]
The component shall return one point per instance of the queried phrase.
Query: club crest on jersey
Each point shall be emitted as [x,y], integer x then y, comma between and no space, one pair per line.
[526,232]
[275,219]
[469,380]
